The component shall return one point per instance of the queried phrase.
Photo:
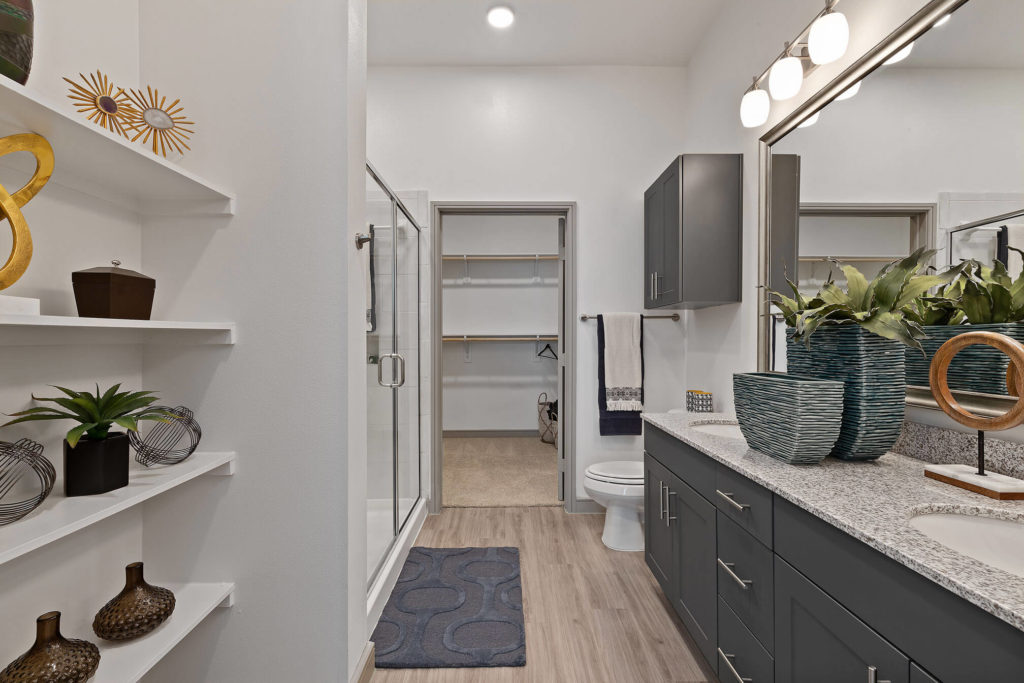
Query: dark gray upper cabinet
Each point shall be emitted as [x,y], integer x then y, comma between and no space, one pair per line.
[693,226]
[817,639]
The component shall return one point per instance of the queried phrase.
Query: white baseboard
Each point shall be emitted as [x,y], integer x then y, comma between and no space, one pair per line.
[387,577]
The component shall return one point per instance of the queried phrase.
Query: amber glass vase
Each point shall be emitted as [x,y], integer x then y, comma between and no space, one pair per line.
[136,610]
[53,658]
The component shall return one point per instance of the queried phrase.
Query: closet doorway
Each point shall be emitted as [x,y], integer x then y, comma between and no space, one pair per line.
[502,338]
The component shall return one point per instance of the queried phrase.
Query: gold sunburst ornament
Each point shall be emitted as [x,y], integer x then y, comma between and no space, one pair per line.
[97,99]
[155,120]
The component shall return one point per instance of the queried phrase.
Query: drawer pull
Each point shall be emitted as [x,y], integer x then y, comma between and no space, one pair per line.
[732,669]
[732,501]
[873,675]
[727,566]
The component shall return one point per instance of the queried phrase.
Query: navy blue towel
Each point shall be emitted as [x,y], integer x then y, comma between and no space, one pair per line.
[616,422]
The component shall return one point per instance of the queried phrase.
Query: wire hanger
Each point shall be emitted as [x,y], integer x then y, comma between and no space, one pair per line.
[548,352]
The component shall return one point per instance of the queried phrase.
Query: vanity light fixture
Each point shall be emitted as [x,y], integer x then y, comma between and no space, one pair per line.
[811,120]
[500,16]
[786,76]
[754,107]
[900,56]
[829,36]
[849,92]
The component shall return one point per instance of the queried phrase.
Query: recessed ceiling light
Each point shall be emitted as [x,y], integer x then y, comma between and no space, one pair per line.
[500,17]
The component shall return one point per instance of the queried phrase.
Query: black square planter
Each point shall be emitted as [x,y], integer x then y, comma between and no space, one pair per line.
[94,467]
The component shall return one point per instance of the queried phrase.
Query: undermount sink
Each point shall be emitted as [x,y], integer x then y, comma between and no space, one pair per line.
[730,431]
[996,542]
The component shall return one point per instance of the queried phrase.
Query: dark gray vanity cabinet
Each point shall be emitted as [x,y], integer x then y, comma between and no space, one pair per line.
[817,639]
[659,547]
[693,227]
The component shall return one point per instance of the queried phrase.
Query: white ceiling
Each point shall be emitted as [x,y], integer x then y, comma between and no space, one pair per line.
[983,34]
[545,33]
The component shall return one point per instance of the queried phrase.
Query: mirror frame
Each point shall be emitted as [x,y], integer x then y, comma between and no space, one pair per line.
[912,29]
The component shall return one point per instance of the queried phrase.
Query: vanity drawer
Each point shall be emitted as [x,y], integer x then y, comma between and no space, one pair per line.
[687,463]
[741,659]
[746,579]
[744,502]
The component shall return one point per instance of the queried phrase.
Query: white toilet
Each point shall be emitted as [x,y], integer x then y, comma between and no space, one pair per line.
[619,487]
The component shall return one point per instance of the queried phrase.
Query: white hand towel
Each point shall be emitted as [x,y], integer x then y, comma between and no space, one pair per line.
[623,363]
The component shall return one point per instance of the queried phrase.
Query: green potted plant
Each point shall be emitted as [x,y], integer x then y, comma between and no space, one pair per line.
[859,335]
[982,298]
[95,458]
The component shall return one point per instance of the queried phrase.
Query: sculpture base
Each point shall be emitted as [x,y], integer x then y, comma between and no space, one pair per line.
[18,305]
[993,485]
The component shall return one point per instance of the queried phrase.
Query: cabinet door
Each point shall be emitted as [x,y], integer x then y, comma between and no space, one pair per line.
[654,228]
[669,279]
[817,639]
[693,520]
[658,543]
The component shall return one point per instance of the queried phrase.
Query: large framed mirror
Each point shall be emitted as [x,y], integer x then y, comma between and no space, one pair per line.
[902,151]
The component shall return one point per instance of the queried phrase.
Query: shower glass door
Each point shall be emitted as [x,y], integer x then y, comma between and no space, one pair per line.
[392,341]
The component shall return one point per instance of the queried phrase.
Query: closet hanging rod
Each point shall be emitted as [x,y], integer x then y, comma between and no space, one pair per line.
[500,257]
[502,338]
[674,316]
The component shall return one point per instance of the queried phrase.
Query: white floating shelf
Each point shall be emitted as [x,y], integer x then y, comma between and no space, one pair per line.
[59,330]
[129,661]
[97,162]
[59,516]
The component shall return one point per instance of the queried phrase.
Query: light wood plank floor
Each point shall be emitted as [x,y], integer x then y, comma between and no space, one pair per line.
[593,615]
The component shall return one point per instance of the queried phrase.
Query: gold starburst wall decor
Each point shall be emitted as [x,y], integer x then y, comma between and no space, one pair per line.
[155,120]
[97,99]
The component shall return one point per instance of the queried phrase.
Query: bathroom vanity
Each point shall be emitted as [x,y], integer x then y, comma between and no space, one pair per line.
[808,574]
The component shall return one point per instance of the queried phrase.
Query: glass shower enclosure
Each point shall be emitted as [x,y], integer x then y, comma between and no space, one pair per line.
[393,368]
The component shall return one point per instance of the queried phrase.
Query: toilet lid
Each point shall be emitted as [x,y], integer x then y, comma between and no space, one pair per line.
[618,472]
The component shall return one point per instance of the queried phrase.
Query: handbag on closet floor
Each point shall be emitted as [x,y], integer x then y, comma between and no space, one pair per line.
[547,419]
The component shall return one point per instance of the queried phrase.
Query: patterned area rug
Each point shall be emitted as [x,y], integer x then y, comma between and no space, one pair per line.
[454,607]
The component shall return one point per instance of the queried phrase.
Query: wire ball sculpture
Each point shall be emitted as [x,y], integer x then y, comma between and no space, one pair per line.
[168,443]
[19,494]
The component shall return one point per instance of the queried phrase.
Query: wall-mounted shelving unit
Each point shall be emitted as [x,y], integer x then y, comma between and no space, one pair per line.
[97,162]
[56,330]
[58,516]
[129,661]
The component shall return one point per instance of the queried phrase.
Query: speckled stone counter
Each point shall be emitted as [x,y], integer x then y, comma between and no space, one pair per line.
[873,502]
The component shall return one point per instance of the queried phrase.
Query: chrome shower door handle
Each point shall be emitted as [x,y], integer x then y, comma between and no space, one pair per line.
[380,371]
[401,369]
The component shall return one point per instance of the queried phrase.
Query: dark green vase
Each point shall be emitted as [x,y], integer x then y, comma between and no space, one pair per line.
[16,20]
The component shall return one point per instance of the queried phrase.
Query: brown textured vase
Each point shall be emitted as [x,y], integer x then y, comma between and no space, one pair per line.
[53,658]
[137,610]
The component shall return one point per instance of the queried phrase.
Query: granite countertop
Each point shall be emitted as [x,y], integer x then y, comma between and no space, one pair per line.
[873,501]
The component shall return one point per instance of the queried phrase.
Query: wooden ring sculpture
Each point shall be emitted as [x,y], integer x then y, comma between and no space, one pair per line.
[10,204]
[944,397]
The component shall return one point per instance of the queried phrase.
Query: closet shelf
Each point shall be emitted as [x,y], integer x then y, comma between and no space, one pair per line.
[851,259]
[59,516]
[59,330]
[99,163]
[129,661]
[500,338]
[500,257]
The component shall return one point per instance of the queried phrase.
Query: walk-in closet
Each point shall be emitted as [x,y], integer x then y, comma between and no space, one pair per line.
[500,332]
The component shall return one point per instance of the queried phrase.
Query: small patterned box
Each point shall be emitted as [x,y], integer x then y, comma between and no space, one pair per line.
[699,401]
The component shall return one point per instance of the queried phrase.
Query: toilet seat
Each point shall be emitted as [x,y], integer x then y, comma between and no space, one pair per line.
[624,472]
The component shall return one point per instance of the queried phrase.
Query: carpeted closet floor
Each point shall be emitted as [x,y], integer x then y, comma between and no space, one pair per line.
[499,472]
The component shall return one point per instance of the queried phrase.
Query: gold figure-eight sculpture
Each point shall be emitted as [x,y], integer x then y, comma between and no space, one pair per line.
[10,204]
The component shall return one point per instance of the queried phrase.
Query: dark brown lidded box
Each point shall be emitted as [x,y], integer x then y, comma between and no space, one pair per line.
[112,292]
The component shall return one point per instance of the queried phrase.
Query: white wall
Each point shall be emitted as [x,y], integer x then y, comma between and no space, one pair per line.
[495,385]
[723,340]
[595,135]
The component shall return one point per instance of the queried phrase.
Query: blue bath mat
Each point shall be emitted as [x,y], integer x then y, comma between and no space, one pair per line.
[454,607]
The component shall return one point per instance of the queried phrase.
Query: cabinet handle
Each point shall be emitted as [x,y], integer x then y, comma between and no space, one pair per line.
[661,499]
[650,288]
[668,506]
[732,669]
[873,675]
[727,566]
[732,501]
[656,292]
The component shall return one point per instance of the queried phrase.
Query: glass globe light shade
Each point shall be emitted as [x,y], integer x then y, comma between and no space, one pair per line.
[785,78]
[829,38]
[754,108]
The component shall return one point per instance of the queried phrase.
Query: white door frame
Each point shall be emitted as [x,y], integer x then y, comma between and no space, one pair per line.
[567,340]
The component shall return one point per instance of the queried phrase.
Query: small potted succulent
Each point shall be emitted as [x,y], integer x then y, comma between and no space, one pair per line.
[857,335]
[95,459]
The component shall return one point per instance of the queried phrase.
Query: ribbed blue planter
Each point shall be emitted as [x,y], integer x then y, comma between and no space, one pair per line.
[976,368]
[873,371]
[792,418]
